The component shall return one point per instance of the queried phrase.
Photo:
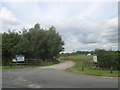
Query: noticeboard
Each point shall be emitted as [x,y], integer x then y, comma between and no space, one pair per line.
[95,58]
[20,58]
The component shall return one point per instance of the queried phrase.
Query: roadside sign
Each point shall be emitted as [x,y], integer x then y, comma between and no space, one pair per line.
[95,58]
[20,58]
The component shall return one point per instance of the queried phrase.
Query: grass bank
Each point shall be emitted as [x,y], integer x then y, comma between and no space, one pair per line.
[28,66]
[81,60]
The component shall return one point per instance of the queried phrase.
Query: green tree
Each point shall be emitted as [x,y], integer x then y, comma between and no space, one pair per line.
[54,43]
[36,43]
[12,44]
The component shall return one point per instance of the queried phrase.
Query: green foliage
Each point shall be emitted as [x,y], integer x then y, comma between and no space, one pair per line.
[12,44]
[35,43]
[84,52]
[0,39]
[88,70]
[107,59]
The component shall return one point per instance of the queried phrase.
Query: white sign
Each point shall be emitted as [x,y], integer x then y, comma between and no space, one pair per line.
[20,58]
[95,59]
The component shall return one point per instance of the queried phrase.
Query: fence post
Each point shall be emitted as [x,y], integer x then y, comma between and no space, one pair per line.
[82,67]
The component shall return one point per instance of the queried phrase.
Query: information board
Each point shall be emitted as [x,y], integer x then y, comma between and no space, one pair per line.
[95,59]
[20,58]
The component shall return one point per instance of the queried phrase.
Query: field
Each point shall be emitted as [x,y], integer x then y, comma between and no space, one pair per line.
[86,61]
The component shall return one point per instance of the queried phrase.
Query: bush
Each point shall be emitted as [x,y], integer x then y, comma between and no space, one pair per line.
[107,59]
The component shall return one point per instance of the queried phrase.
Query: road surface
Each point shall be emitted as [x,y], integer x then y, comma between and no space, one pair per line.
[53,77]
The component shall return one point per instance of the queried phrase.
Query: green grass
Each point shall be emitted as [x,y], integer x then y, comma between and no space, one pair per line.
[88,70]
[28,66]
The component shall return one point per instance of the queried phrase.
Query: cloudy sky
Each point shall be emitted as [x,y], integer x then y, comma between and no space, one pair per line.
[83,25]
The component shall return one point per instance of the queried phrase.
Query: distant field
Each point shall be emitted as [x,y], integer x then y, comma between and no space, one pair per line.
[87,62]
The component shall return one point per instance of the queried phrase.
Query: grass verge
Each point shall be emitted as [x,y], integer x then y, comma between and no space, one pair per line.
[28,66]
[88,70]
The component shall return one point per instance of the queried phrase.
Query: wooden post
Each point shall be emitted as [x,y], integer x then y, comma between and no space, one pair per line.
[82,67]
[111,69]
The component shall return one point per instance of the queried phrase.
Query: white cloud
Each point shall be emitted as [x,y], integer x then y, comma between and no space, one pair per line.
[82,35]
[82,27]
[110,32]
[7,19]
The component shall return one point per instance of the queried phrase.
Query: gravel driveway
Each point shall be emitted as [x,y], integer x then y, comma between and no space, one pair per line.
[62,65]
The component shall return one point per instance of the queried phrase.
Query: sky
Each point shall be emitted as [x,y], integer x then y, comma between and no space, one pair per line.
[83,26]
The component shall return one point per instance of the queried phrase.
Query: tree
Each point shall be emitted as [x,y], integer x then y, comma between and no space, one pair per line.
[45,44]
[54,43]
[12,44]
[37,43]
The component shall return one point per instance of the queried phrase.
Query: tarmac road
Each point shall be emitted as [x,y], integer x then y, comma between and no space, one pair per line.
[53,77]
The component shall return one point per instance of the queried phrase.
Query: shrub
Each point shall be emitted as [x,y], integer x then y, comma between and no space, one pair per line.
[107,59]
